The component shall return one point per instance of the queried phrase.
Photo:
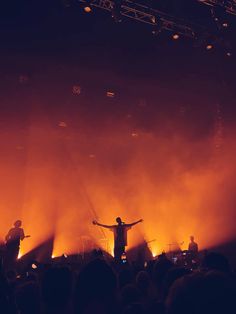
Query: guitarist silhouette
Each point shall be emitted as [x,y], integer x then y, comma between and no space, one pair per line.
[13,238]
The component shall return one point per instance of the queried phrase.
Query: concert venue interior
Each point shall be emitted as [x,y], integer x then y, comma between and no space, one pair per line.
[103,118]
[117,115]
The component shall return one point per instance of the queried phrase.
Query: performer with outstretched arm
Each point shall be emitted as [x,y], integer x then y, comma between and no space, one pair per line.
[120,235]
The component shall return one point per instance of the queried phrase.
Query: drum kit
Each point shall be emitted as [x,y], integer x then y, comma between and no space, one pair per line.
[88,244]
[181,257]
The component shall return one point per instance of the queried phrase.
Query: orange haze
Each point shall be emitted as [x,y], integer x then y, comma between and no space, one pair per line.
[58,178]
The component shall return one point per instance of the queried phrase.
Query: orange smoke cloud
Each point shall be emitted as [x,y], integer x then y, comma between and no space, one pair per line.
[63,178]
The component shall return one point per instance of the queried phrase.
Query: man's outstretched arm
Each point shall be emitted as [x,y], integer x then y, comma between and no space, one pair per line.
[134,223]
[101,225]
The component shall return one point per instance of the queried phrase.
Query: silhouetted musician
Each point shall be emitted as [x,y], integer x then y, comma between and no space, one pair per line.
[120,235]
[13,238]
[193,247]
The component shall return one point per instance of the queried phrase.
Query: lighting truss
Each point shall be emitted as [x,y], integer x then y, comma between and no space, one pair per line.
[228,5]
[145,14]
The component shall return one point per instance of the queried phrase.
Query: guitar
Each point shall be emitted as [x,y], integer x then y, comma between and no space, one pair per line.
[10,243]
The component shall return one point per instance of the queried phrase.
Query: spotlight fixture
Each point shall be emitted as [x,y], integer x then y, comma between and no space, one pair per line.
[217,12]
[175,36]
[209,46]
[123,258]
[205,41]
[110,94]
[87,6]
[157,28]
[219,15]
[156,32]
[34,266]
[87,9]
[76,89]
[62,124]
[153,19]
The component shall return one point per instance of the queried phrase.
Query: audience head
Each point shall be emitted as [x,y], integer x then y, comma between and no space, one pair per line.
[143,281]
[173,274]
[129,294]
[96,284]
[125,276]
[161,267]
[28,298]
[202,293]
[57,287]
[216,261]
[135,308]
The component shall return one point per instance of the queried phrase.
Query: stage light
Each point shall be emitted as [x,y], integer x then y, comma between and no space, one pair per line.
[209,46]
[53,256]
[175,36]
[34,266]
[64,255]
[228,54]
[76,89]
[157,28]
[156,32]
[124,258]
[219,15]
[62,124]
[110,94]
[153,19]
[87,7]
[19,255]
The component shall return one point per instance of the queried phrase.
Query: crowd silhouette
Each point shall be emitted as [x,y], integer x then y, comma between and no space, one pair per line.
[103,287]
